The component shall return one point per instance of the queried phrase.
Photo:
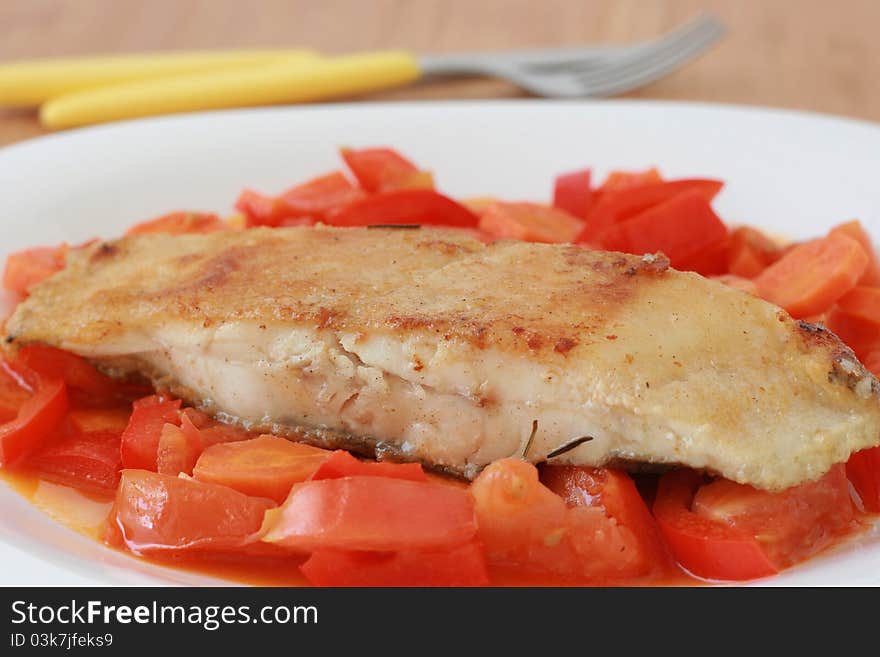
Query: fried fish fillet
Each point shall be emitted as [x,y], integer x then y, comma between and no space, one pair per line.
[429,346]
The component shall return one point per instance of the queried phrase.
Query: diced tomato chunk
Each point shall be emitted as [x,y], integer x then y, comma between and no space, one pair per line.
[705,547]
[177,451]
[615,492]
[855,318]
[87,461]
[342,464]
[37,417]
[379,169]
[621,180]
[531,222]
[12,393]
[140,440]
[306,202]
[164,512]
[404,206]
[464,565]
[523,523]
[863,470]
[750,252]
[680,228]
[113,420]
[789,525]
[619,204]
[573,193]
[24,269]
[267,466]
[180,223]
[372,513]
[75,371]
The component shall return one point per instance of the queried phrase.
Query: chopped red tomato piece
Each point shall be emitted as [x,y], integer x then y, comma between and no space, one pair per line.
[113,420]
[531,222]
[179,223]
[705,547]
[404,206]
[620,180]
[163,512]
[680,228]
[789,525]
[708,261]
[750,252]
[856,231]
[615,492]
[178,450]
[372,513]
[77,373]
[24,269]
[87,461]
[855,318]
[342,464]
[573,193]
[12,393]
[379,169]
[36,419]
[464,565]
[619,204]
[262,210]
[523,523]
[863,470]
[813,275]
[140,440]
[310,200]
[267,466]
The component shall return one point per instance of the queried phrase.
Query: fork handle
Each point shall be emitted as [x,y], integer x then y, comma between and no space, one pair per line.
[30,82]
[287,81]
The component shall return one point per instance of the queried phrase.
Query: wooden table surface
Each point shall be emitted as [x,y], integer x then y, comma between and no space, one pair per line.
[809,54]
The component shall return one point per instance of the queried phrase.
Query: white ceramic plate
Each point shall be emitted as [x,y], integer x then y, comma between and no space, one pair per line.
[792,173]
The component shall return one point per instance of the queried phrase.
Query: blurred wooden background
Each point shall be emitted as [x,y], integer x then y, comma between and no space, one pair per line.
[809,54]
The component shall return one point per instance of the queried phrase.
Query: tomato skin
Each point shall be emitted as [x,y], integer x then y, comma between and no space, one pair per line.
[707,549]
[789,525]
[341,463]
[75,371]
[863,470]
[531,222]
[680,227]
[25,269]
[616,493]
[378,169]
[36,419]
[267,466]
[372,513]
[464,565]
[86,461]
[178,450]
[624,202]
[404,206]
[573,193]
[180,223]
[163,512]
[140,440]
[523,523]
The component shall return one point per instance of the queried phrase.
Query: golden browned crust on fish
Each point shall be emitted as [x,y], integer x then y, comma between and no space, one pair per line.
[658,366]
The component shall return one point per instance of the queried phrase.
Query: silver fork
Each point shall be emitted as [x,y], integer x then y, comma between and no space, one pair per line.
[586,72]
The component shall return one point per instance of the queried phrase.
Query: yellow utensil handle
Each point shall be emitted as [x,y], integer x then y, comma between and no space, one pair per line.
[275,83]
[31,82]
